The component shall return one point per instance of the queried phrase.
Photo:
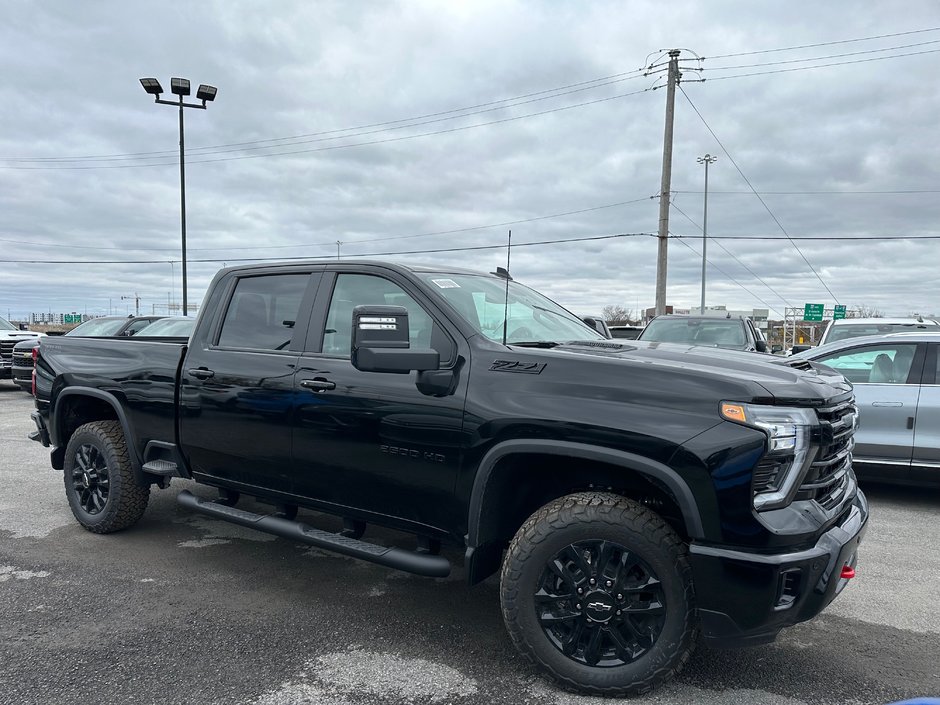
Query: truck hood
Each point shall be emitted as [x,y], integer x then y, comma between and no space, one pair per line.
[760,377]
[18,334]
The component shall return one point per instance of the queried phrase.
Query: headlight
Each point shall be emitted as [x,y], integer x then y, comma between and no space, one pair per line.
[783,466]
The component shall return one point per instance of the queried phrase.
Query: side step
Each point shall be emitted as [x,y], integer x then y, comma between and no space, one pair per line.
[164,468]
[409,561]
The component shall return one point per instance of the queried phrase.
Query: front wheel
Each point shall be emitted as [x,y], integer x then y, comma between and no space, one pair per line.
[597,591]
[99,481]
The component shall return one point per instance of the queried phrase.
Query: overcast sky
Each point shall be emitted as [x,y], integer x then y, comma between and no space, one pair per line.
[314,138]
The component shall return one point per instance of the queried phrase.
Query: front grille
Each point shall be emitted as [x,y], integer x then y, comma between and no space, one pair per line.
[828,476]
[21,359]
[6,349]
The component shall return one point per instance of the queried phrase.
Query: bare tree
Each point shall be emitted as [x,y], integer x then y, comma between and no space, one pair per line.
[617,315]
[862,311]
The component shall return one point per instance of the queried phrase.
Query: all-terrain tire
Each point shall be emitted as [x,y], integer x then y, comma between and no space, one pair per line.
[99,480]
[644,539]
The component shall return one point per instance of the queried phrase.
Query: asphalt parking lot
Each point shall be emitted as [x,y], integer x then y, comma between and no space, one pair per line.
[186,609]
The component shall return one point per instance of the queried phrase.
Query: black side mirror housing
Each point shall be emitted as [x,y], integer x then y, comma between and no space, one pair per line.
[760,345]
[776,349]
[801,348]
[380,342]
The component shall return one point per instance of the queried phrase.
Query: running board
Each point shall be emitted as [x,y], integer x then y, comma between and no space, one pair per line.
[409,561]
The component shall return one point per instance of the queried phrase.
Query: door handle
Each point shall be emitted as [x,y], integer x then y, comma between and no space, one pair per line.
[200,373]
[318,384]
[888,403]
[910,422]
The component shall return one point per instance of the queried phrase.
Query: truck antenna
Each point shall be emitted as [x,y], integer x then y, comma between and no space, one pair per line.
[506,301]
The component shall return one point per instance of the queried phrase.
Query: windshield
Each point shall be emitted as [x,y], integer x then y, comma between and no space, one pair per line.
[719,332]
[856,331]
[170,327]
[6,325]
[98,327]
[481,301]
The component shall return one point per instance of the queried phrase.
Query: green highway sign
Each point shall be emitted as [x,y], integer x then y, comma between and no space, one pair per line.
[72,318]
[838,312]
[813,312]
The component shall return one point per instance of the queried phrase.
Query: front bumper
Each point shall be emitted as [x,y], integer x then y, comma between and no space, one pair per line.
[747,598]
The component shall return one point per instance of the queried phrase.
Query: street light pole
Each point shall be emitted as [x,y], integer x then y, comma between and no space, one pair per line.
[180,88]
[706,160]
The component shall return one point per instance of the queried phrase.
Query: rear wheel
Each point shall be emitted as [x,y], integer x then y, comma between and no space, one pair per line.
[99,481]
[597,591]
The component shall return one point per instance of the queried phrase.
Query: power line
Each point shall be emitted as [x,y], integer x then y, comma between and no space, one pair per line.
[753,273]
[728,275]
[751,186]
[332,147]
[820,66]
[820,238]
[347,242]
[814,193]
[823,58]
[302,139]
[333,257]
[824,44]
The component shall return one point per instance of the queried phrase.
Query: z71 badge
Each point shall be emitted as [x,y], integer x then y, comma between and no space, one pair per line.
[528,368]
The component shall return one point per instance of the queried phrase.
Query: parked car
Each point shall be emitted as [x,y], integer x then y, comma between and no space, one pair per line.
[170,327]
[730,332]
[845,328]
[21,364]
[896,380]
[10,335]
[108,326]
[625,332]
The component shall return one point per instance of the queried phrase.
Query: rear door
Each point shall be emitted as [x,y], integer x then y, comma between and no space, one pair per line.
[237,383]
[925,464]
[886,377]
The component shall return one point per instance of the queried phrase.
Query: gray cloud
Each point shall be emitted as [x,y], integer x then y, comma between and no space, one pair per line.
[295,69]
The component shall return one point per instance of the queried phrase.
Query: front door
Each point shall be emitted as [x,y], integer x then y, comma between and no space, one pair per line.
[373,441]
[886,378]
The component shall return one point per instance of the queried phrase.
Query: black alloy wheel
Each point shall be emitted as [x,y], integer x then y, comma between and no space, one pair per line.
[91,479]
[103,491]
[600,604]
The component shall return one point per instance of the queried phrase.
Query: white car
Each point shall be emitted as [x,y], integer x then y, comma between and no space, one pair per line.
[857,327]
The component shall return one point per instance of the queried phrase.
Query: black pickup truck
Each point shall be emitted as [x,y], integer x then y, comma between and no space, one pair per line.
[633,495]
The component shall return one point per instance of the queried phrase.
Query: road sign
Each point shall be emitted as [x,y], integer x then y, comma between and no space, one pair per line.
[813,312]
[838,312]
[72,318]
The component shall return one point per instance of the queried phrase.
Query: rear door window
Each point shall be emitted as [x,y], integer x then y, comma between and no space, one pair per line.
[263,311]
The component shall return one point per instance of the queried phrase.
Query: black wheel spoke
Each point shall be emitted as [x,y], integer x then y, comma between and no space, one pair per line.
[550,618]
[652,607]
[622,644]
[576,555]
[605,553]
[569,644]
[544,595]
[592,650]
[647,584]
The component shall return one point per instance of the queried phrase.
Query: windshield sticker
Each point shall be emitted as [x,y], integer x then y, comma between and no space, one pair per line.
[446,283]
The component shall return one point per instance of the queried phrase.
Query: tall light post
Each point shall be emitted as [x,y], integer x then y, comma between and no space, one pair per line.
[180,88]
[706,160]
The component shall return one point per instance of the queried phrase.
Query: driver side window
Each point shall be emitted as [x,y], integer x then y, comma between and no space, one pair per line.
[353,290]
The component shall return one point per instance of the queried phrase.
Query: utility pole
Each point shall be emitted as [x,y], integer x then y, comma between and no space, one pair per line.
[706,160]
[338,245]
[672,80]
[136,298]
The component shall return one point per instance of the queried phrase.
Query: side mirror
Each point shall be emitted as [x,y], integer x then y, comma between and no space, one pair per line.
[776,349]
[760,345]
[801,348]
[380,342]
